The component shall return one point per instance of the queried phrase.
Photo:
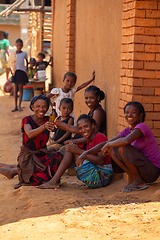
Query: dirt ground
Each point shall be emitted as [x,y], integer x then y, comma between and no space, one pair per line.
[74,211]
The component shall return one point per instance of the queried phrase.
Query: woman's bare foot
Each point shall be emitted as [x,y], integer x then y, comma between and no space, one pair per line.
[9,172]
[49,185]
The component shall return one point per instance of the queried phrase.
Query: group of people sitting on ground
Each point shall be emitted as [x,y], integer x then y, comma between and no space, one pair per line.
[134,150]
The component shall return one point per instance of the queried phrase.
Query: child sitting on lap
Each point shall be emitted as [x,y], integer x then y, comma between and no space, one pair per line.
[66,108]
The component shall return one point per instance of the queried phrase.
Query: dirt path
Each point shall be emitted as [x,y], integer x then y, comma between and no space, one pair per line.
[74,211]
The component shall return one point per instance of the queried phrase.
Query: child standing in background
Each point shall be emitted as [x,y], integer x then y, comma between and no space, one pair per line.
[32,68]
[40,64]
[68,90]
[20,78]
[66,108]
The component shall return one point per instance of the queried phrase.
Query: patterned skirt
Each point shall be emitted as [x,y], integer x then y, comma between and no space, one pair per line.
[50,160]
[94,176]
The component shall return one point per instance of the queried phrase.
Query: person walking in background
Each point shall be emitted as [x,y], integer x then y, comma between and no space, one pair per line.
[4,53]
[20,78]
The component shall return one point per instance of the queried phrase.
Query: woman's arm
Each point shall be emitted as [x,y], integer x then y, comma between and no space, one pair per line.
[98,115]
[32,133]
[95,149]
[76,141]
[122,141]
[99,159]
[66,127]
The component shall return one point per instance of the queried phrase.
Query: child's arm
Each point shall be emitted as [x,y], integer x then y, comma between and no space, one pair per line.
[49,95]
[86,83]
[26,65]
[67,134]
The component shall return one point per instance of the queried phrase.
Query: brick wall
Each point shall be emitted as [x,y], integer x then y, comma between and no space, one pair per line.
[70,38]
[140,60]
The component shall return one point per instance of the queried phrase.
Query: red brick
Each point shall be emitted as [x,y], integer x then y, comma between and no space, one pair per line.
[122,72]
[129,73]
[148,107]
[124,64]
[126,56]
[129,97]
[139,30]
[156,123]
[128,23]
[158,40]
[138,47]
[125,80]
[146,5]
[156,132]
[150,99]
[124,97]
[142,91]
[137,98]
[150,124]
[121,88]
[144,56]
[158,22]
[144,39]
[152,48]
[127,31]
[127,47]
[157,91]
[152,14]
[152,31]
[146,74]
[144,22]
[128,6]
[127,39]
[127,89]
[136,64]
[152,65]
[151,82]
[135,82]
[157,57]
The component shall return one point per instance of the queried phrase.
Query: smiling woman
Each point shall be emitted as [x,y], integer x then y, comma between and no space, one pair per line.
[134,150]
[96,170]
[36,164]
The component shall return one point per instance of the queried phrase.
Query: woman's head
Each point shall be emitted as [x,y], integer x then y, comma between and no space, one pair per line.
[136,110]
[93,96]
[42,100]
[86,125]
[5,35]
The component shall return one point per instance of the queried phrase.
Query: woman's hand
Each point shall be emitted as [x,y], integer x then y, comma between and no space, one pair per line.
[80,159]
[104,150]
[73,148]
[49,126]
[67,142]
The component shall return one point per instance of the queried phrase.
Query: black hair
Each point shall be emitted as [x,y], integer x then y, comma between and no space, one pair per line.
[19,40]
[5,34]
[66,100]
[35,98]
[32,60]
[87,117]
[139,106]
[99,93]
[70,74]
[41,54]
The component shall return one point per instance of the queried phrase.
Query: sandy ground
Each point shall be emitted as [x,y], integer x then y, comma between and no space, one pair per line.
[74,211]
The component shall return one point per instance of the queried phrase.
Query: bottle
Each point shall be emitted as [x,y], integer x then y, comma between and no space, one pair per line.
[53,115]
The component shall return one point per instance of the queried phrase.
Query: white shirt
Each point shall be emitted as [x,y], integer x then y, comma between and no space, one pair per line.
[20,61]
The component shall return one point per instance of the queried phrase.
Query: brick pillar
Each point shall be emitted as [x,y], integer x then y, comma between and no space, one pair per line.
[70,38]
[140,60]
